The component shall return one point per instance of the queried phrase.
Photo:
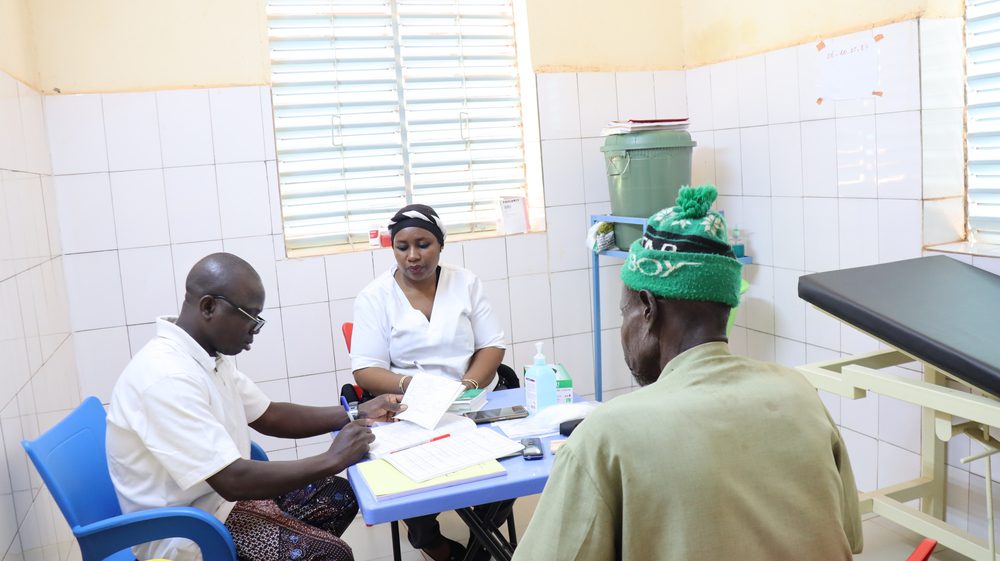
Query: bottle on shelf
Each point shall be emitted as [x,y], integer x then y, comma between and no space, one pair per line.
[737,242]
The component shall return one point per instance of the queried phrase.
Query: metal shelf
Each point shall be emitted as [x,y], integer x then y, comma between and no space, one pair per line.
[595,271]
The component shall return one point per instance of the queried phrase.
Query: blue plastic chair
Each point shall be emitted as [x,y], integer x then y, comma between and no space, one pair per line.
[71,459]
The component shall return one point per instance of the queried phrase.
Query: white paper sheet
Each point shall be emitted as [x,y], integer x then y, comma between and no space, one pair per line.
[392,437]
[513,214]
[451,454]
[427,398]
[847,67]
[546,421]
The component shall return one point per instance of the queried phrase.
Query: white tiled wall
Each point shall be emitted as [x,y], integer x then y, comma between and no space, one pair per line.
[816,187]
[135,218]
[38,376]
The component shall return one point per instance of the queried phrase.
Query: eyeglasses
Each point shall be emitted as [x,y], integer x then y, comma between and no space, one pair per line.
[257,320]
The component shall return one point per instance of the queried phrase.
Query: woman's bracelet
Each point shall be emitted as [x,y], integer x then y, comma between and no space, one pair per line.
[473,385]
[401,380]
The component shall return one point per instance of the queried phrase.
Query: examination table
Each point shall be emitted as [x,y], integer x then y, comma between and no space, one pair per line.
[945,315]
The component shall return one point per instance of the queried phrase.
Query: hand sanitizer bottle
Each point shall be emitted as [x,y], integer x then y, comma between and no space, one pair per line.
[737,242]
[540,383]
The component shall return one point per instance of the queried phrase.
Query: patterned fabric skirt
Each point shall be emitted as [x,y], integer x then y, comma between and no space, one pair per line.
[303,525]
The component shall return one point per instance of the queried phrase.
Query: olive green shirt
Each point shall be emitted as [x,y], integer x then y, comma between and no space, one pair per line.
[723,457]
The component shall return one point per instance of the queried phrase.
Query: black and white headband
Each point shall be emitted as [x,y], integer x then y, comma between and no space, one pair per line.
[419,216]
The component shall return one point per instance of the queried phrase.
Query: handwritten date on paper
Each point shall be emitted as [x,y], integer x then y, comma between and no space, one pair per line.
[847,67]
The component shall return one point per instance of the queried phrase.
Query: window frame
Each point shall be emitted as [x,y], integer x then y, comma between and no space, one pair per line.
[531,142]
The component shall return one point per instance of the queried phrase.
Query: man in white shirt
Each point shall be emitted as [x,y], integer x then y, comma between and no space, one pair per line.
[178,431]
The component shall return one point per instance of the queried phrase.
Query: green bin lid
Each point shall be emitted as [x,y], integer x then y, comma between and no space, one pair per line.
[647,139]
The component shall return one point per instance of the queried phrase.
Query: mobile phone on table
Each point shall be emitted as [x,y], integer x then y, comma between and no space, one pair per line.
[501,414]
[532,449]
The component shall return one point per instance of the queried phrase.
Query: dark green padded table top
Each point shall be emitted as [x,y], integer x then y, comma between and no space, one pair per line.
[942,311]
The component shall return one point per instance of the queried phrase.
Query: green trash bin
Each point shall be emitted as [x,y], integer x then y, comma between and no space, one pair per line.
[645,171]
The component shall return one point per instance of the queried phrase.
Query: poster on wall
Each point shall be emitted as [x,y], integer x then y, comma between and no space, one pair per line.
[847,67]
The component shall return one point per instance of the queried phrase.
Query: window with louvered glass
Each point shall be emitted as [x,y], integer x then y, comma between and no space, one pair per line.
[382,103]
[983,119]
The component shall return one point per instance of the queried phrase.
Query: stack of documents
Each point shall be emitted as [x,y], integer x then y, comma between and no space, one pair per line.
[427,442]
[393,437]
[546,421]
[636,125]
[387,482]
[469,400]
[451,454]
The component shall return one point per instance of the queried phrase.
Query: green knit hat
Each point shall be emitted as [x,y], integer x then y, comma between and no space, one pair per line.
[684,253]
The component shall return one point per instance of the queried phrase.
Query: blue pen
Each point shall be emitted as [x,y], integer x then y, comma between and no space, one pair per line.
[347,407]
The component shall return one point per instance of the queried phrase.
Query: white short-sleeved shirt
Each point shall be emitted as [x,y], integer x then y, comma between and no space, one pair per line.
[177,417]
[390,333]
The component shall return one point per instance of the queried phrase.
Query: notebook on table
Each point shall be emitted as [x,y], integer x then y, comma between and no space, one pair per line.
[387,482]
[469,400]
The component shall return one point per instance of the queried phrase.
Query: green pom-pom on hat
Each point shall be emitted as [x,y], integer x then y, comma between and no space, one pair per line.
[684,252]
[694,202]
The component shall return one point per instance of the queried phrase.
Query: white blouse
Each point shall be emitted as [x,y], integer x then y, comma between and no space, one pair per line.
[390,333]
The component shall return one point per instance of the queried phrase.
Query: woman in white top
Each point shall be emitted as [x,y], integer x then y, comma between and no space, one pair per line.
[423,317]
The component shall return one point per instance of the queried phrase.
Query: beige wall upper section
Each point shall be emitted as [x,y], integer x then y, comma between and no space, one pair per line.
[719,30]
[129,45]
[598,35]
[16,56]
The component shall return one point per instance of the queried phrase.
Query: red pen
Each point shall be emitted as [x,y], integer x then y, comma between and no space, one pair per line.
[446,435]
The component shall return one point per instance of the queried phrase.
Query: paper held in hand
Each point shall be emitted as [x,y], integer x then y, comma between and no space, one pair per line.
[427,398]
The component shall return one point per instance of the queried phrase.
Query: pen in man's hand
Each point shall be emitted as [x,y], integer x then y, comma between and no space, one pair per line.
[347,408]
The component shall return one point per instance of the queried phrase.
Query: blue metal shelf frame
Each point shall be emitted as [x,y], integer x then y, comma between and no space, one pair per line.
[595,271]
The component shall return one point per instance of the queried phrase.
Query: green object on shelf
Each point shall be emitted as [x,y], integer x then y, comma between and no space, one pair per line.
[744,285]
[645,171]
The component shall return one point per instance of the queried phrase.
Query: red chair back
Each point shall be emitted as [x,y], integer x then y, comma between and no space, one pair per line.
[347,328]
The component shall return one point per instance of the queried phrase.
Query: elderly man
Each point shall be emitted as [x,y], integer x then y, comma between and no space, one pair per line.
[178,431]
[718,456]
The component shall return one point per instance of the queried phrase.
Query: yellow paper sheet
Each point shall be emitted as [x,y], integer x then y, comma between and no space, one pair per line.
[386,481]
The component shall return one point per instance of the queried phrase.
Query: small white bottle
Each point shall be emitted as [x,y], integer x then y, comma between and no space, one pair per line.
[539,383]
